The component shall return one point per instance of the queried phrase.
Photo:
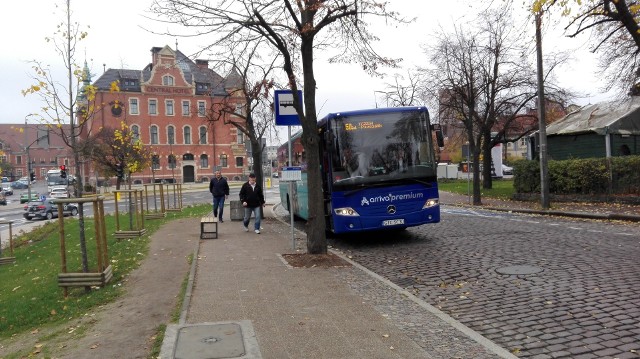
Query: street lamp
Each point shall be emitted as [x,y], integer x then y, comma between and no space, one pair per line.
[26,149]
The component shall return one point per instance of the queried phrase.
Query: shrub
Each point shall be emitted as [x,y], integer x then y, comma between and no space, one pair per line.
[615,175]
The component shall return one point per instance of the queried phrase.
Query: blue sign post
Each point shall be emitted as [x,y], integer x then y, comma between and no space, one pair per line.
[286,114]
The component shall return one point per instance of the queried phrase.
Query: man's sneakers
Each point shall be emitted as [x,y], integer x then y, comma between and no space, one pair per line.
[221,220]
[246,229]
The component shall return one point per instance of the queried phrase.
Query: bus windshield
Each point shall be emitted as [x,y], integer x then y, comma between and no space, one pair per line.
[381,148]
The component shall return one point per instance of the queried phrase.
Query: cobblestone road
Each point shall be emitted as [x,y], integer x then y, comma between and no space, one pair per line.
[540,287]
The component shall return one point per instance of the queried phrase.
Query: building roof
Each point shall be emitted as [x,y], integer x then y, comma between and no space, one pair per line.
[614,117]
[193,74]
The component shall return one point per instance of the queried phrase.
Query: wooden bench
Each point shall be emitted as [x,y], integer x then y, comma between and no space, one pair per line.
[97,279]
[213,221]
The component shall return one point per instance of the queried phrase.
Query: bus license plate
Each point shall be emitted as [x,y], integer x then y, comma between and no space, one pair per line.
[393,222]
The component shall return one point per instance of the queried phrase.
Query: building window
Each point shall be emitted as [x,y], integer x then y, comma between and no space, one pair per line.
[187,135]
[135,130]
[187,157]
[240,138]
[172,161]
[204,161]
[3,158]
[223,161]
[155,162]
[154,135]
[133,106]
[153,107]
[167,80]
[239,162]
[203,135]
[186,107]
[171,135]
[168,104]
[201,108]
[18,160]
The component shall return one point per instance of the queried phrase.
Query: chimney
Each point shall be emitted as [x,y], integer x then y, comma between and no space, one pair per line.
[155,57]
[202,64]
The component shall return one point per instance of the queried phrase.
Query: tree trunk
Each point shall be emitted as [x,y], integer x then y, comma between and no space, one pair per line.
[316,237]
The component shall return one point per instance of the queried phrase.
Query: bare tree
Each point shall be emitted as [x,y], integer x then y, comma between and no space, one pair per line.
[295,29]
[484,81]
[252,84]
[110,148]
[613,26]
[406,90]
[71,99]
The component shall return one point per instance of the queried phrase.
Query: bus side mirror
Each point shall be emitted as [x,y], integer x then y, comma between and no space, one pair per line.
[439,135]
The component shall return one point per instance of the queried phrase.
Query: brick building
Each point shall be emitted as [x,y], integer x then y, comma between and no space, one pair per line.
[46,150]
[168,105]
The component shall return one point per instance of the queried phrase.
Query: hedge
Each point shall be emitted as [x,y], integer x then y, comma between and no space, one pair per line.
[593,176]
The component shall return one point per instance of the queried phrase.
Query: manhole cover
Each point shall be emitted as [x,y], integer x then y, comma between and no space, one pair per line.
[210,341]
[519,270]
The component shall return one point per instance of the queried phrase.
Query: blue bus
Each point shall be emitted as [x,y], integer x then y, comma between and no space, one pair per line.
[379,171]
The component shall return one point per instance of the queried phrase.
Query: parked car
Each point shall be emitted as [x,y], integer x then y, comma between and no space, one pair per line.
[7,190]
[59,192]
[506,170]
[24,198]
[48,209]
[19,185]
[5,179]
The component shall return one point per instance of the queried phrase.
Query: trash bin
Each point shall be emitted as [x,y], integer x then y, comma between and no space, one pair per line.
[237,211]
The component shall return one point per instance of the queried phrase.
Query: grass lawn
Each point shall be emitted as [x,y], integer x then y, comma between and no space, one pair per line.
[502,188]
[29,293]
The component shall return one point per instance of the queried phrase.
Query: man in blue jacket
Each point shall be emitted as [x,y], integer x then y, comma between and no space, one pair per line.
[219,188]
[252,200]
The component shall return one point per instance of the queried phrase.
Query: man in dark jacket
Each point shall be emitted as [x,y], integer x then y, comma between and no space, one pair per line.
[219,188]
[252,200]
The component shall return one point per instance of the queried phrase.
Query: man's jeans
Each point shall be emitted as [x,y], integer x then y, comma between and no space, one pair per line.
[218,202]
[247,216]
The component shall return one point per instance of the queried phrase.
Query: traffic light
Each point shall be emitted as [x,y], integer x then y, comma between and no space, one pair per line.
[63,171]
[119,170]
[32,175]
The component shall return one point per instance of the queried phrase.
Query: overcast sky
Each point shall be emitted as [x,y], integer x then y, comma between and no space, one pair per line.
[117,40]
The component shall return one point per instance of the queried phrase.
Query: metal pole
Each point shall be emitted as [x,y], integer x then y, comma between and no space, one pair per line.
[293,238]
[291,184]
[26,148]
[468,178]
[544,175]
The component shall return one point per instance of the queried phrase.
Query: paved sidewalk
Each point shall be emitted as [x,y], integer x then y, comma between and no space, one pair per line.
[285,312]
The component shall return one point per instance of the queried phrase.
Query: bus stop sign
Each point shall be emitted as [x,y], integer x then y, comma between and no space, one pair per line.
[286,114]
[291,174]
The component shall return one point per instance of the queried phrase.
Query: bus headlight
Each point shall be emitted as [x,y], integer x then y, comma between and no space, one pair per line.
[431,202]
[346,211]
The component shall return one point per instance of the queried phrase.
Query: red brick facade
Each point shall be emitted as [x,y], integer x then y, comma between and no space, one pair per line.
[47,151]
[168,105]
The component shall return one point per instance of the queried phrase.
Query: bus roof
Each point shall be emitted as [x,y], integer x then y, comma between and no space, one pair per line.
[372,111]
